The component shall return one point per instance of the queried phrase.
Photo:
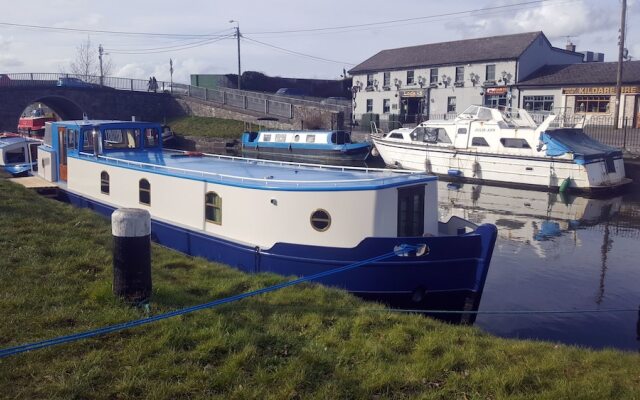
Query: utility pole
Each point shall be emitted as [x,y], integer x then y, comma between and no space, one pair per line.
[238,38]
[100,53]
[616,113]
[171,75]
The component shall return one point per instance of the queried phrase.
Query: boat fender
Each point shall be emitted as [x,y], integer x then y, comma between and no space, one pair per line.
[374,152]
[193,154]
[454,172]
[565,184]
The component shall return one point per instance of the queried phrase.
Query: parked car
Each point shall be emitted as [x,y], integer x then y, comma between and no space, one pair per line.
[291,92]
[75,83]
[339,101]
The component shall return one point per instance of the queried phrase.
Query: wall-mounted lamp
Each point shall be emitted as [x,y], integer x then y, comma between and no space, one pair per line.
[506,77]
[475,78]
[446,80]
[397,82]
[421,80]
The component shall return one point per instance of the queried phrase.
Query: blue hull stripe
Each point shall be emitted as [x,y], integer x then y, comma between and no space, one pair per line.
[455,263]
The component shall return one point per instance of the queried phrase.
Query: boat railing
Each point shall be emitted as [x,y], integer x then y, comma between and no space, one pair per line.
[267,181]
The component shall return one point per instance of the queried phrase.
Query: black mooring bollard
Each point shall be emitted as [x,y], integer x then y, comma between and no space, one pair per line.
[131,229]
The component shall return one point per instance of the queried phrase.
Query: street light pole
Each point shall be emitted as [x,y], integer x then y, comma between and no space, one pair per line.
[238,39]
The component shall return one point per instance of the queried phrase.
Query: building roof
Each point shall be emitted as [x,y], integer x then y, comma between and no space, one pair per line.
[506,47]
[593,73]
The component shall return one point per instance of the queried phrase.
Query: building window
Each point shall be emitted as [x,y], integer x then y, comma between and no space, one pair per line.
[538,103]
[515,143]
[104,182]
[410,78]
[433,75]
[490,72]
[451,104]
[213,208]
[459,74]
[369,79]
[320,220]
[386,106]
[144,195]
[369,105]
[387,79]
[592,104]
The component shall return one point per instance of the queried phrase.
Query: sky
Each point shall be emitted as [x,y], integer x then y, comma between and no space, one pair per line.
[288,38]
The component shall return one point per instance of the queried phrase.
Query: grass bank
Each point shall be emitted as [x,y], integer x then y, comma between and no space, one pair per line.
[207,127]
[302,342]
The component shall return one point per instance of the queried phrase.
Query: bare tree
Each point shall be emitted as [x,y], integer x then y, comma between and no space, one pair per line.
[87,64]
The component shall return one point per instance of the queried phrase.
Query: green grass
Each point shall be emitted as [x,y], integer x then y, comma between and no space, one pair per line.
[207,127]
[305,342]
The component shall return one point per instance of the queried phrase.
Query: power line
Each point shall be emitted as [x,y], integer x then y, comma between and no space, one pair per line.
[168,48]
[295,52]
[177,43]
[175,48]
[370,24]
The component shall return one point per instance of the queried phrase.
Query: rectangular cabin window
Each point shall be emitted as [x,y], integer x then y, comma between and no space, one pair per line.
[151,137]
[430,135]
[72,139]
[121,139]
[479,141]
[266,137]
[14,156]
[395,136]
[386,106]
[433,75]
[610,166]
[411,211]
[87,142]
[311,138]
[281,137]
[515,143]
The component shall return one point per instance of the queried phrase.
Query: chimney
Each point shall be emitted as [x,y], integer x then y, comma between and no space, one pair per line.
[570,46]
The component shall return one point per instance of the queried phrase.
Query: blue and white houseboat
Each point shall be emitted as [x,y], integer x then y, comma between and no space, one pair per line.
[304,146]
[18,154]
[266,216]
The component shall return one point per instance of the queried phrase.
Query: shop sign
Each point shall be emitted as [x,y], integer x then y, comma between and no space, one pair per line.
[610,90]
[495,90]
[412,93]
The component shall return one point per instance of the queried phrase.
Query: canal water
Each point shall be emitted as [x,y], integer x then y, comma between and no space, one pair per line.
[557,253]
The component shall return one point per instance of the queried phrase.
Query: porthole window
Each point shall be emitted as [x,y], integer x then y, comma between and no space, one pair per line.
[104,182]
[213,208]
[320,220]
[145,192]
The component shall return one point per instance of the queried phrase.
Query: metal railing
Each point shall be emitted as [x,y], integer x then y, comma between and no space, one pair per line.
[265,103]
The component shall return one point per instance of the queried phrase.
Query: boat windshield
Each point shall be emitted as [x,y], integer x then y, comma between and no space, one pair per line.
[476,112]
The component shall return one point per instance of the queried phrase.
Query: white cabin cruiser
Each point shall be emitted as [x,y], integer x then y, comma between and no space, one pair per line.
[505,147]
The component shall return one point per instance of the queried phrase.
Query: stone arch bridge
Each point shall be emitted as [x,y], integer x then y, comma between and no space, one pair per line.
[97,103]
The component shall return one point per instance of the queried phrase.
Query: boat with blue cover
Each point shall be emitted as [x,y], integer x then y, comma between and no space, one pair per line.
[506,147]
[18,154]
[307,146]
[265,216]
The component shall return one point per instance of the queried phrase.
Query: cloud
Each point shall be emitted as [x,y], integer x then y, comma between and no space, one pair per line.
[8,60]
[556,20]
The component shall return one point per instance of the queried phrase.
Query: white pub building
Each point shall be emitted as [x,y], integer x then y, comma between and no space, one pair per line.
[432,80]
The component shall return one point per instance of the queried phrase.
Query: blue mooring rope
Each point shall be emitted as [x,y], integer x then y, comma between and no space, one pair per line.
[399,250]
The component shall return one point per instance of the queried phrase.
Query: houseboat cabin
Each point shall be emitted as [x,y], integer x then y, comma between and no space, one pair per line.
[311,146]
[265,216]
[18,154]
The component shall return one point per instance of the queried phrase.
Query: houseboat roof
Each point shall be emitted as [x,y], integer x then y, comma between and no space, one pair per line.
[259,174]
[7,141]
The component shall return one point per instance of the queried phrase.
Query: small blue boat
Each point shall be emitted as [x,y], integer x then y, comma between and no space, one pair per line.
[18,154]
[305,146]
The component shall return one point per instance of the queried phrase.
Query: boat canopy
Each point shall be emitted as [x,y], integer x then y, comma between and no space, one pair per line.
[584,148]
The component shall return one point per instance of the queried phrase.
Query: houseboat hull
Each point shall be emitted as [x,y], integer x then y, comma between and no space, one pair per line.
[542,173]
[455,264]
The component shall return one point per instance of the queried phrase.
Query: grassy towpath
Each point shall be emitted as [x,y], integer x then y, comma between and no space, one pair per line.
[207,127]
[305,342]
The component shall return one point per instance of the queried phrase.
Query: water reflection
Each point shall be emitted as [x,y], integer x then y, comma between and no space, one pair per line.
[557,252]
